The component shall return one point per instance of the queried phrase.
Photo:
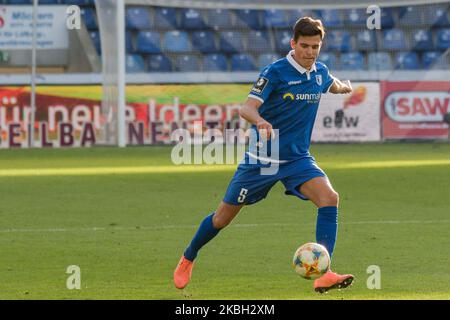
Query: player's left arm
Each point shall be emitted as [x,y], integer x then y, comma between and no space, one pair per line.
[339,86]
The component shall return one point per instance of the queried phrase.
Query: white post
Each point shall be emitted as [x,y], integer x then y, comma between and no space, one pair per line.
[121,73]
[33,76]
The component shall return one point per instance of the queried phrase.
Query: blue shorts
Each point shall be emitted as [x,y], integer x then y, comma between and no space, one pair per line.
[249,186]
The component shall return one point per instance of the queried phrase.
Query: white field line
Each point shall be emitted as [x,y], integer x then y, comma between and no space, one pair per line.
[240,225]
[29,172]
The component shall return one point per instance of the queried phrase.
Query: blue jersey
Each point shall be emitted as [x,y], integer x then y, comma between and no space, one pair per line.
[290,97]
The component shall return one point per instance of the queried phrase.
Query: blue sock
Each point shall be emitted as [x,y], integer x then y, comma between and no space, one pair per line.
[326,227]
[204,234]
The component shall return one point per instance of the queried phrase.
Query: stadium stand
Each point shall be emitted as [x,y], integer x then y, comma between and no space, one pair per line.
[163,39]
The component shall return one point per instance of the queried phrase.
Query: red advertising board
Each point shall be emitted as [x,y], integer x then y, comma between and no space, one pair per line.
[415,110]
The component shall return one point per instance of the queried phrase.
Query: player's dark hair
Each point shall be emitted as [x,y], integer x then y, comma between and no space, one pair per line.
[308,27]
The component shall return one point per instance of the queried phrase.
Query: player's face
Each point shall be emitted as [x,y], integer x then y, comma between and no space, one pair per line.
[306,50]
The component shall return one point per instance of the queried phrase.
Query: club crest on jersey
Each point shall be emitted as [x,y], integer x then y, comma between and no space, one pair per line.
[260,85]
[319,79]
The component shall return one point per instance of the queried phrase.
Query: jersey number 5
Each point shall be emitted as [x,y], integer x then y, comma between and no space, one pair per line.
[242,195]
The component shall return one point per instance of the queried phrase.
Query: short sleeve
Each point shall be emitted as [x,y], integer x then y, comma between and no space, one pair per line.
[328,81]
[265,85]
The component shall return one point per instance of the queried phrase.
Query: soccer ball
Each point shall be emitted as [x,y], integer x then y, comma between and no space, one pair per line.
[311,260]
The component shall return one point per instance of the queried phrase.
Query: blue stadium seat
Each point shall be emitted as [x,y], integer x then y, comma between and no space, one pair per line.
[215,62]
[443,39]
[352,61]
[387,18]
[19,2]
[129,41]
[231,42]
[204,41]
[192,19]
[135,63]
[283,40]
[294,15]
[329,59]
[338,41]
[187,63]
[331,18]
[275,19]
[394,39]
[355,17]
[137,18]
[165,18]
[366,40]
[159,63]
[266,59]
[259,41]
[89,17]
[422,40]
[436,15]
[247,19]
[407,61]
[219,18]
[78,2]
[379,61]
[410,16]
[176,41]
[95,37]
[148,42]
[434,59]
[49,2]
[242,62]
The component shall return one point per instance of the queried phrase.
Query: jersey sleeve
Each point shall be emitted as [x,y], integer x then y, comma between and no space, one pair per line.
[328,81]
[265,85]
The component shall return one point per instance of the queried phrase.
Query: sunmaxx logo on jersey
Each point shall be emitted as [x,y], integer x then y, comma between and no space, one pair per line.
[417,106]
[308,97]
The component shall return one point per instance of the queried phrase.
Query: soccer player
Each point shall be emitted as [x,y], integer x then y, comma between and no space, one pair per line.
[285,97]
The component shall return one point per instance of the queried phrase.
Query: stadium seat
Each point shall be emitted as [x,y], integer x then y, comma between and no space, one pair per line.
[422,40]
[294,15]
[434,59]
[379,61]
[283,40]
[176,41]
[331,18]
[19,2]
[410,16]
[129,42]
[215,62]
[148,42]
[231,42]
[204,41]
[275,19]
[95,37]
[219,19]
[366,40]
[78,2]
[165,18]
[247,19]
[338,41]
[394,39]
[89,18]
[49,2]
[443,39]
[242,62]
[259,41]
[187,63]
[436,15]
[329,59]
[387,18]
[352,61]
[407,61]
[159,63]
[355,17]
[134,63]
[137,18]
[266,59]
[192,19]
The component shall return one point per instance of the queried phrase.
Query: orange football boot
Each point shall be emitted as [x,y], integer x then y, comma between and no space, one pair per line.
[331,280]
[183,273]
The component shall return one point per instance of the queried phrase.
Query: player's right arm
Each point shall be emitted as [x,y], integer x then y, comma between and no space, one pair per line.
[249,111]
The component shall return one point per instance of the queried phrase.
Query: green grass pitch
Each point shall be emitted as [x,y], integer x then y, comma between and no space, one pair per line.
[124,216]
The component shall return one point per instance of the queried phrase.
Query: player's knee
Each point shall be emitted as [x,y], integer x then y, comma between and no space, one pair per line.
[331,198]
[220,221]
